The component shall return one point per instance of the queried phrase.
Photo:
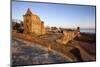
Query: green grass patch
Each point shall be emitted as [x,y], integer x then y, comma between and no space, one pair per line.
[87,37]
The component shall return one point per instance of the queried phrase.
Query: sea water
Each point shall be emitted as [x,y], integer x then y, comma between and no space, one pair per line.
[88,31]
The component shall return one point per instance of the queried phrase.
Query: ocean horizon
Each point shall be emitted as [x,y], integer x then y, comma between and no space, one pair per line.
[92,31]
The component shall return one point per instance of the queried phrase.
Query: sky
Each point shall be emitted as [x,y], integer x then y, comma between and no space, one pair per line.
[59,15]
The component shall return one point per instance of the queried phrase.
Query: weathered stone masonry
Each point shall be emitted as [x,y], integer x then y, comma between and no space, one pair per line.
[33,24]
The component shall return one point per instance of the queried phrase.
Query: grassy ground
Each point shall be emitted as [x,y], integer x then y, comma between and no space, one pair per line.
[87,37]
[88,42]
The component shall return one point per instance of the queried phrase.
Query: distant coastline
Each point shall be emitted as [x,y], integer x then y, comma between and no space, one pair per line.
[91,31]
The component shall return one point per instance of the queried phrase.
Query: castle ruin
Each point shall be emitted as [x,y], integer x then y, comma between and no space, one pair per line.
[69,36]
[33,24]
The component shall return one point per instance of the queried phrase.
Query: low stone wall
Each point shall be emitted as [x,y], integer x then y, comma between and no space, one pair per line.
[68,36]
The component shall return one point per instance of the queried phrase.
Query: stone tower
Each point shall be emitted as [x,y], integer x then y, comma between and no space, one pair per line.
[78,31]
[33,24]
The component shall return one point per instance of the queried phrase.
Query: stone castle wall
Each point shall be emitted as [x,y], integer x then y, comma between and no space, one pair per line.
[33,24]
[69,36]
